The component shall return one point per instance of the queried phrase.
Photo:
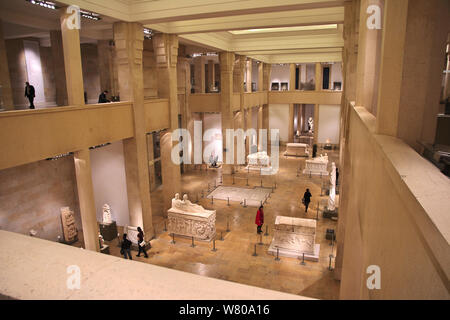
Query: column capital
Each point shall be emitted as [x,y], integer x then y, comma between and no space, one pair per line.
[166,50]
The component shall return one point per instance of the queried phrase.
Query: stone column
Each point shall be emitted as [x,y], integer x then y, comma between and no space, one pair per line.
[226,101]
[248,77]
[72,60]
[184,76]
[151,162]
[319,80]
[248,125]
[106,67]
[319,76]
[129,38]
[411,74]
[166,50]
[199,74]
[265,125]
[5,80]
[260,126]
[368,57]
[291,123]
[59,69]
[267,70]
[260,76]
[211,75]
[86,200]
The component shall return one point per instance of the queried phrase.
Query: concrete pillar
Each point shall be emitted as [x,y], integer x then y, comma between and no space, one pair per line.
[199,74]
[226,100]
[151,163]
[86,200]
[291,123]
[106,67]
[316,123]
[369,50]
[129,38]
[260,126]
[5,80]
[292,68]
[265,125]
[72,60]
[248,125]
[414,39]
[260,76]
[59,69]
[248,76]
[267,70]
[349,58]
[184,90]
[211,75]
[319,76]
[166,50]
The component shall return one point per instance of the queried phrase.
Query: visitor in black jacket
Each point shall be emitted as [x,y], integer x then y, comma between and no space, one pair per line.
[126,247]
[29,93]
[102,97]
[307,199]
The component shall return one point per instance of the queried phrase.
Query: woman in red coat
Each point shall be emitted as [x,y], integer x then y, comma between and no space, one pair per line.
[259,219]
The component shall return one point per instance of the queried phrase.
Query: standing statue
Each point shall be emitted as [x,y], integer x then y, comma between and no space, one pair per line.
[310,125]
[107,214]
[332,196]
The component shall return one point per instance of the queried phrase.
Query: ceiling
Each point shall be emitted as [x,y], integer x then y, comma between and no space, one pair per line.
[282,31]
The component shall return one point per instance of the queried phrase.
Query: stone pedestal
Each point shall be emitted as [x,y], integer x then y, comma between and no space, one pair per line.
[294,237]
[108,231]
[105,249]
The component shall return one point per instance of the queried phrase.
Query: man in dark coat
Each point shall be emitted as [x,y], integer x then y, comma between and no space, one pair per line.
[102,97]
[29,93]
[307,199]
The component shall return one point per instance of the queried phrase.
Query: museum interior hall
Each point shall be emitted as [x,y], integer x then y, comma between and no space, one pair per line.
[254,149]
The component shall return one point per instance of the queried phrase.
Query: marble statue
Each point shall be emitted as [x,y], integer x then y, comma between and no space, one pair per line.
[332,197]
[101,241]
[310,125]
[107,214]
[192,220]
[294,237]
[68,221]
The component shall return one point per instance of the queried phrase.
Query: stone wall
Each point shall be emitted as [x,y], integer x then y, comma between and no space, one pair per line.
[91,78]
[17,70]
[31,196]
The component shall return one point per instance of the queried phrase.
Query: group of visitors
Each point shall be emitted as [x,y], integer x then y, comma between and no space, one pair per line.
[126,245]
[30,93]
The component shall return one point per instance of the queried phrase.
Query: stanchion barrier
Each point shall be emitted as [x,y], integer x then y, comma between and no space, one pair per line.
[203,195]
[261,183]
[267,231]
[215,184]
[233,178]
[228,224]
[212,199]
[247,182]
[173,238]
[228,201]
[297,172]
[214,245]
[192,245]
[277,258]
[260,240]
[317,215]
[245,203]
[254,253]
[221,236]
[303,259]
[165,225]
[310,174]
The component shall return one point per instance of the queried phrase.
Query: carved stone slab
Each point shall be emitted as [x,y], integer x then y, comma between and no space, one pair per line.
[200,226]
[297,149]
[294,237]
[68,222]
[316,166]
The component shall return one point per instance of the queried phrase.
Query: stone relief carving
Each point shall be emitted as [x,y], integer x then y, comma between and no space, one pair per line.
[68,221]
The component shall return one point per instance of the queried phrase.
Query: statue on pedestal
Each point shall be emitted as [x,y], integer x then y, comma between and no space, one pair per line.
[310,125]
[332,197]
[107,214]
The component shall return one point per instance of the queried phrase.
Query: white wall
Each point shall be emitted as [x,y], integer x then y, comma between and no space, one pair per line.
[34,69]
[279,119]
[109,181]
[329,123]
[280,74]
[336,74]
[213,121]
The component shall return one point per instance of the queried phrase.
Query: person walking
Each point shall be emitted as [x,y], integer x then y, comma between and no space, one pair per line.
[30,94]
[126,247]
[141,243]
[259,219]
[307,199]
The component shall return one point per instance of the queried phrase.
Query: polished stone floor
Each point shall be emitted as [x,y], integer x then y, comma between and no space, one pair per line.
[234,260]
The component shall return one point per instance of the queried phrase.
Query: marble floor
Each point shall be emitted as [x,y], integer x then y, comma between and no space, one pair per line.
[234,260]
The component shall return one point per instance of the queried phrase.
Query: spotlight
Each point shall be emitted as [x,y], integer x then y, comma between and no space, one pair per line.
[45,4]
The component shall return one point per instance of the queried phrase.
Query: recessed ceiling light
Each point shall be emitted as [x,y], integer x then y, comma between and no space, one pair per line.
[45,4]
